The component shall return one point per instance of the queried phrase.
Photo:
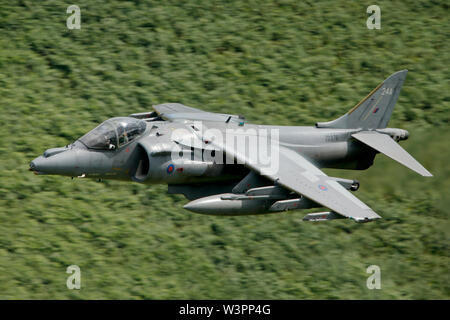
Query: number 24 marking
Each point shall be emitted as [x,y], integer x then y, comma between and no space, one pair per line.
[386,91]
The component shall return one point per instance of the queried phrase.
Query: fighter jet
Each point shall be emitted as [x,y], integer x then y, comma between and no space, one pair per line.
[228,166]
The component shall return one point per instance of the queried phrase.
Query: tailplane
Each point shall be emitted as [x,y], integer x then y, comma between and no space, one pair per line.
[374,111]
[385,144]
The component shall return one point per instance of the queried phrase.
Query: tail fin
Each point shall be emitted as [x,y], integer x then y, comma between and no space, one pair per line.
[374,111]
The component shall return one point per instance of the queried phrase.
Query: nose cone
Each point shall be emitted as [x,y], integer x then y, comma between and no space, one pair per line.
[63,163]
[32,166]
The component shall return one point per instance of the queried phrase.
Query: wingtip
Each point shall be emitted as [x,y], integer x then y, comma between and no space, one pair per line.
[423,172]
[366,219]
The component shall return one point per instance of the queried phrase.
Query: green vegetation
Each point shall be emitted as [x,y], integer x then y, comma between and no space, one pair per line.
[276,61]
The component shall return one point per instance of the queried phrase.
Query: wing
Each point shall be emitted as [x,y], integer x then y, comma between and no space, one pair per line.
[297,174]
[166,109]
[179,112]
[171,108]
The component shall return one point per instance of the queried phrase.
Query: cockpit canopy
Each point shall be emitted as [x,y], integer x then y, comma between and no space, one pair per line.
[114,133]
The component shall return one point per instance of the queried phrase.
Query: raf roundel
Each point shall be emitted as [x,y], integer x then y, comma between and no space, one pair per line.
[322,187]
[170,168]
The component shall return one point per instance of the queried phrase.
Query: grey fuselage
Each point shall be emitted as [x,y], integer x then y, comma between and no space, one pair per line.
[147,159]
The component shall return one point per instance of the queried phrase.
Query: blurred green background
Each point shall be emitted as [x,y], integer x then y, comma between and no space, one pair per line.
[283,62]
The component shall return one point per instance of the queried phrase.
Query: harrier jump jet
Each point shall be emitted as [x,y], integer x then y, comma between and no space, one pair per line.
[227,166]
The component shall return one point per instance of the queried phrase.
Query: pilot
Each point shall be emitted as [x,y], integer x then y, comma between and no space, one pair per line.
[111,146]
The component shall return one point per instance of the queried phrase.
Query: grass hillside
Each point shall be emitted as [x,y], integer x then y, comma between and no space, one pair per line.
[280,62]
